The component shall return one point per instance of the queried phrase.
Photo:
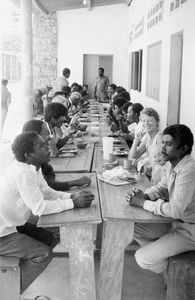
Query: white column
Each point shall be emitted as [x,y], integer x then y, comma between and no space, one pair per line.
[27,59]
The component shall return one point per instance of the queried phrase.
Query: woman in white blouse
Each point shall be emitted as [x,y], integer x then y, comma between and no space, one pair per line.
[149,142]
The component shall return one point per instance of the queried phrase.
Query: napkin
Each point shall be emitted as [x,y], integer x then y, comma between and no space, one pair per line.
[112,176]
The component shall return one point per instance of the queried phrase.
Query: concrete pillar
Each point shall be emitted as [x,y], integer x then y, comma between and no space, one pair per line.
[27,59]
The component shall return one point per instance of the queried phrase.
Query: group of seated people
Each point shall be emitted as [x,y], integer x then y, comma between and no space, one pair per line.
[165,158]
[139,126]
[72,97]
[29,184]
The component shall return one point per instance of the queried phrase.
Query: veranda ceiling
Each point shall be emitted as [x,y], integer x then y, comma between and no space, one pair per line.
[48,6]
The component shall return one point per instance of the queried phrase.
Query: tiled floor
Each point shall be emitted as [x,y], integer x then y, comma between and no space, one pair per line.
[138,284]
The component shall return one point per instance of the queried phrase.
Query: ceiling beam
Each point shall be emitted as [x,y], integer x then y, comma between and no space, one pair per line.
[40,7]
[129,2]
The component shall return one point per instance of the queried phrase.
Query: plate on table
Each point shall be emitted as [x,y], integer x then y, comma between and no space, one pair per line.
[116,141]
[128,177]
[84,120]
[74,151]
[119,152]
[64,155]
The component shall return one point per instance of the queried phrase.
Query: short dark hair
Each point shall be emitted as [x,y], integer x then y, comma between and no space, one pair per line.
[182,135]
[54,110]
[65,71]
[33,125]
[66,89]
[120,101]
[113,86]
[101,69]
[120,89]
[24,144]
[125,94]
[74,84]
[62,93]
[126,105]
[4,81]
[137,108]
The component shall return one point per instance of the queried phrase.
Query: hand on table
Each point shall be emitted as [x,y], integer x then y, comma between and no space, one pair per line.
[135,197]
[84,181]
[82,199]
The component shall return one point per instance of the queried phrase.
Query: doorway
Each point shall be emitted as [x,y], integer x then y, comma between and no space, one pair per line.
[91,64]
[175,74]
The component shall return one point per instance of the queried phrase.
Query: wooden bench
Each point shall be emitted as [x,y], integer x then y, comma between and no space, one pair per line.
[9,278]
[181,277]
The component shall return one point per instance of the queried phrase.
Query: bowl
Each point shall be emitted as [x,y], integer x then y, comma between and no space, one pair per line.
[80,144]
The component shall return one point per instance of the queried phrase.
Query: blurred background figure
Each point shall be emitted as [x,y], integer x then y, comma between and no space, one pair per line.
[41,98]
[5,101]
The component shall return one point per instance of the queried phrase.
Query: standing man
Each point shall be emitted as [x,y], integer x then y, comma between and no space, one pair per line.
[61,81]
[174,197]
[101,87]
[5,101]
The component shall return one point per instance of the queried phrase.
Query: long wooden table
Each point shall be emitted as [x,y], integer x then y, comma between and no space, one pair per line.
[81,162]
[77,234]
[118,227]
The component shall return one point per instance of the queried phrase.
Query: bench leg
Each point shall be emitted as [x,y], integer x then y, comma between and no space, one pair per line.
[181,281]
[10,283]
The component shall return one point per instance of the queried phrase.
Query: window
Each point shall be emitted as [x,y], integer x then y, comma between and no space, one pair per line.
[153,71]
[11,66]
[136,70]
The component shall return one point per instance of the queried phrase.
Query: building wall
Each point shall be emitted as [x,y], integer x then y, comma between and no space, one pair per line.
[44,49]
[102,30]
[180,19]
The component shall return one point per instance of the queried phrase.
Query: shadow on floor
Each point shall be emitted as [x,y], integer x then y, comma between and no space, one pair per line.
[138,284]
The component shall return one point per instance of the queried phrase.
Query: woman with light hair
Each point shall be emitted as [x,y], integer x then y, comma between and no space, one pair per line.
[149,142]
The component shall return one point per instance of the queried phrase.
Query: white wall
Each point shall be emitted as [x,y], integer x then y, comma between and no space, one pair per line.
[181,19]
[102,30]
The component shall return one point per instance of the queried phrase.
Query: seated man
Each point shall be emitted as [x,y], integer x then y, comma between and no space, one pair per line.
[48,173]
[23,190]
[56,114]
[173,197]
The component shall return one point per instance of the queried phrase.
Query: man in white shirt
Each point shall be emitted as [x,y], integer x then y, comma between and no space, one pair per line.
[62,80]
[23,190]
[173,197]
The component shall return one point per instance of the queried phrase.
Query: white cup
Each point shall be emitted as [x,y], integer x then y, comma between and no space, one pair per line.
[107,147]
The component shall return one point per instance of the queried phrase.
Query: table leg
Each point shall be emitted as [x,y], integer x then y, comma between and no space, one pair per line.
[78,239]
[116,236]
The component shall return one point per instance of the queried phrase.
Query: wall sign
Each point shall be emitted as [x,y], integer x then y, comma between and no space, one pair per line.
[139,28]
[174,4]
[155,14]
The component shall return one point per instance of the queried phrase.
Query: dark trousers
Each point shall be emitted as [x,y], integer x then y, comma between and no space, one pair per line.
[33,245]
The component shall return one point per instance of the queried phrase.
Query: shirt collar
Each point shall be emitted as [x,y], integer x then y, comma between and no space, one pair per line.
[24,165]
[181,163]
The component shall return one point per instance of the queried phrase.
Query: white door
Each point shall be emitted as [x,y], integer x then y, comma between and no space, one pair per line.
[175,72]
